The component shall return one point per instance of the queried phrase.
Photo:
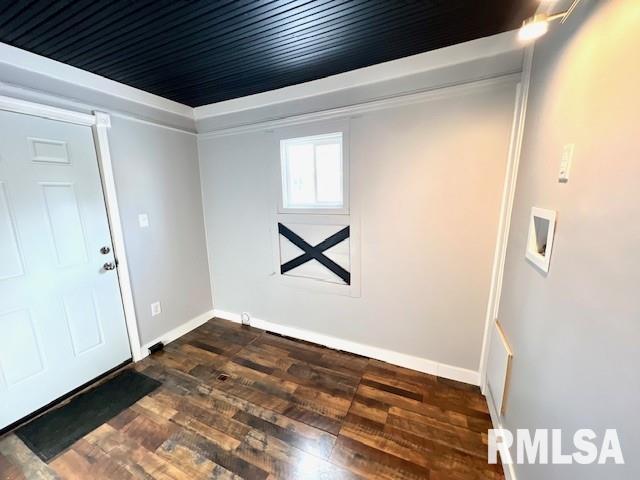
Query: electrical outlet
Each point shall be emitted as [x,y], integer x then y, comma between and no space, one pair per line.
[143,220]
[245,318]
[156,309]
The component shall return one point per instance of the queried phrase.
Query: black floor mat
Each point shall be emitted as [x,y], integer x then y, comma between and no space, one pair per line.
[58,429]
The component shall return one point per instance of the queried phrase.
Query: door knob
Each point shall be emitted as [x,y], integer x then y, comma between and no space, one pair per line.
[105,250]
[109,266]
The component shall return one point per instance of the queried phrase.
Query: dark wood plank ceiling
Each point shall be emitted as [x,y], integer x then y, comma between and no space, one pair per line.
[200,52]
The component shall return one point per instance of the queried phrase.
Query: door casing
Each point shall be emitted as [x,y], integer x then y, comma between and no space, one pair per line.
[100,124]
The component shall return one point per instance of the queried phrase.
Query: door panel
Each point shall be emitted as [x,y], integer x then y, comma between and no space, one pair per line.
[10,258]
[83,319]
[61,316]
[64,221]
[20,351]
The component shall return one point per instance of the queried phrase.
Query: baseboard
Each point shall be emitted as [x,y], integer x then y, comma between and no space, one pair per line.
[509,470]
[177,332]
[396,358]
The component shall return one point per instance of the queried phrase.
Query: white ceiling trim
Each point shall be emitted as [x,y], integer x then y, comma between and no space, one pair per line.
[443,57]
[17,93]
[38,64]
[436,92]
[486,47]
[16,105]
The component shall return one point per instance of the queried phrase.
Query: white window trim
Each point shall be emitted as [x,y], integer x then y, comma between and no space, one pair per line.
[344,210]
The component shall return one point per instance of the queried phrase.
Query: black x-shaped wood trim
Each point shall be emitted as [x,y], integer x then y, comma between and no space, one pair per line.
[315,252]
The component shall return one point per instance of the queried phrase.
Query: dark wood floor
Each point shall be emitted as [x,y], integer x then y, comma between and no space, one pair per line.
[237,402]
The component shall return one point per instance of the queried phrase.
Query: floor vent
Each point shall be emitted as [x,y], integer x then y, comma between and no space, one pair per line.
[158,347]
[299,340]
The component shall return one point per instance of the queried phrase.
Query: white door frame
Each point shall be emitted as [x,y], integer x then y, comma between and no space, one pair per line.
[504,226]
[100,123]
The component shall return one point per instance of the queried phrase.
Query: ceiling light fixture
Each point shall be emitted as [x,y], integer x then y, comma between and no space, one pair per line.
[536,26]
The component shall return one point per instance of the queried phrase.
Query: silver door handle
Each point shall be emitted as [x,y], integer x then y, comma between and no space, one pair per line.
[109,266]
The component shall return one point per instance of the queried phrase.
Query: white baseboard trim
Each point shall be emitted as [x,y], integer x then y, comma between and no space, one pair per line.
[178,332]
[401,359]
[509,470]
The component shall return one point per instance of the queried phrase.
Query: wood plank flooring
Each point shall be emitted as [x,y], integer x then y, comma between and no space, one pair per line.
[237,402]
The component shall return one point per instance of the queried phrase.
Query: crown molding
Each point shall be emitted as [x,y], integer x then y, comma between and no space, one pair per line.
[16,105]
[485,47]
[36,64]
[61,103]
[358,109]
[22,71]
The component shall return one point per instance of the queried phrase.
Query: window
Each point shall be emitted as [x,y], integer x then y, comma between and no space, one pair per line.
[313,174]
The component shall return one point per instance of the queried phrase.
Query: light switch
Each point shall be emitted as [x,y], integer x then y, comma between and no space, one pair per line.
[565,163]
[143,220]
[156,309]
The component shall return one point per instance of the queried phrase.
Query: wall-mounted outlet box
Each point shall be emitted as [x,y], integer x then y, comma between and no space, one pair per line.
[143,220]
[565,162]
[542,226]
[156,309]
[245,318]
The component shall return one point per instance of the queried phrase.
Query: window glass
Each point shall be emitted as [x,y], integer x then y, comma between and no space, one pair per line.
[312,172]
[329,173]
[301,175]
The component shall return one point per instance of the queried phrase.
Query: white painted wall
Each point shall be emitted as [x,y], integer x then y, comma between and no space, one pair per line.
[574,331]
[156,173]
[426,182]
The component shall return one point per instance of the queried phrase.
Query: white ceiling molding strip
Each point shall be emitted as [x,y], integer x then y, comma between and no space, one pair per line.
[486,47]
[21,59]
[429,61]
[29,108]
[396,101]
[16,93]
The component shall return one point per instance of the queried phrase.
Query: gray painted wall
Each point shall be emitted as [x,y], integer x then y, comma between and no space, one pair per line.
[575,331]
[426,184]
[156,172]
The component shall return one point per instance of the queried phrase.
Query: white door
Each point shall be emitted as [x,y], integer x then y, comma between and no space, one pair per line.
[61,316]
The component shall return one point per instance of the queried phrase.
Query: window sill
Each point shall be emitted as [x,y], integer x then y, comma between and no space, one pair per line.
[313,211]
